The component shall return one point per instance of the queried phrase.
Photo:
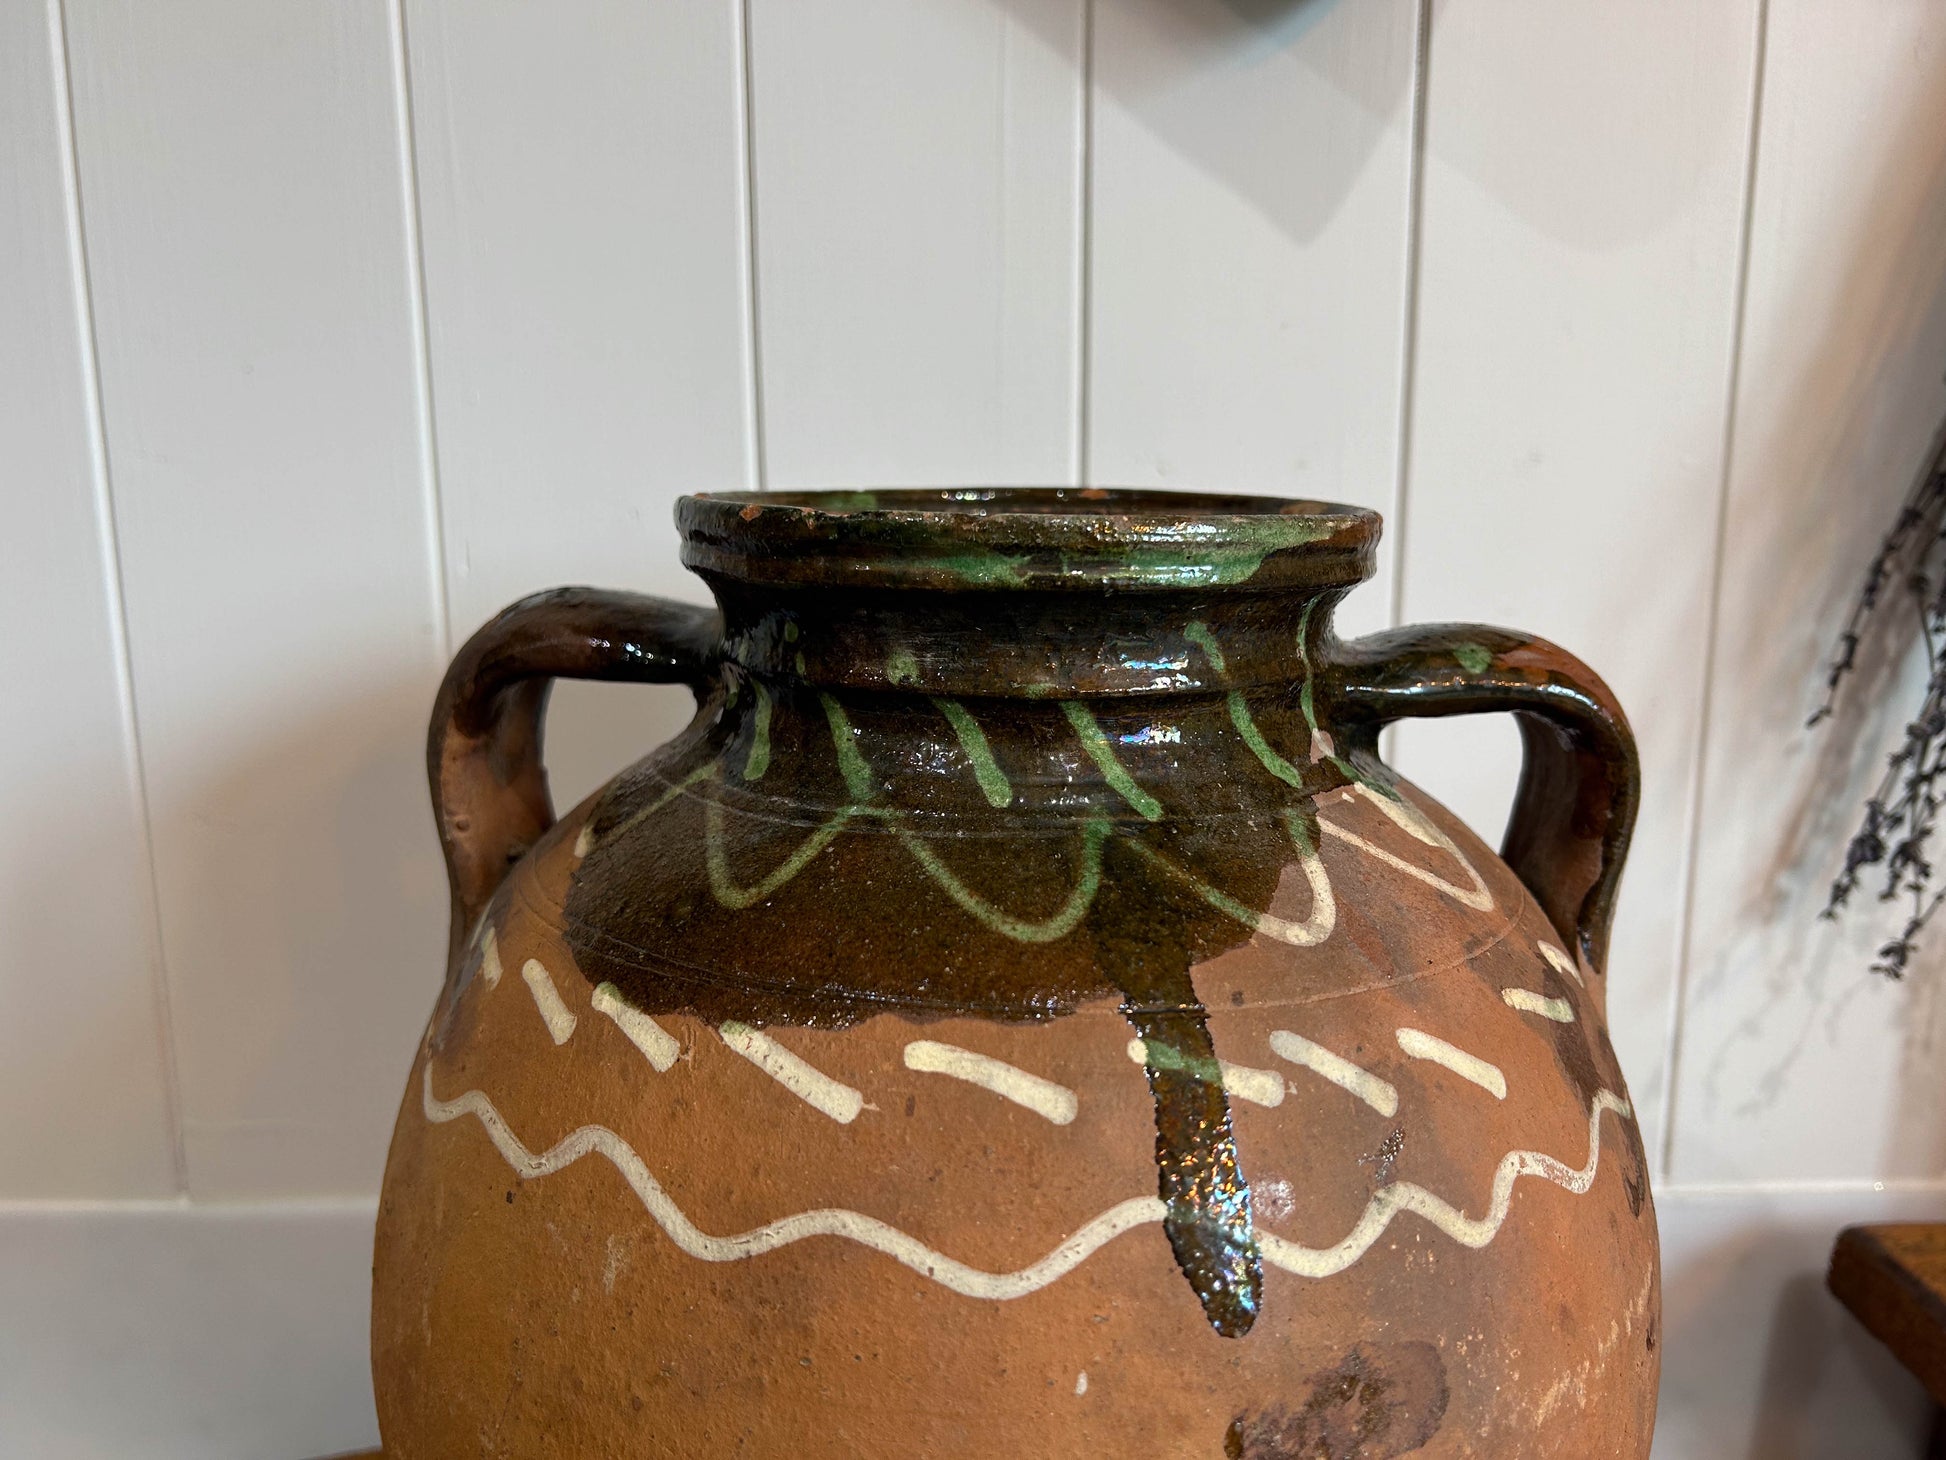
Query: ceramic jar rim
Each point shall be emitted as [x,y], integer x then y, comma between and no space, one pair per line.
[1009,538]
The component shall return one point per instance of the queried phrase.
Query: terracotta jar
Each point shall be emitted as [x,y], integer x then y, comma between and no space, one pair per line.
[1021,1015]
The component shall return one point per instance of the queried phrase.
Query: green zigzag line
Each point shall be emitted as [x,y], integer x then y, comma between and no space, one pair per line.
[1096,832]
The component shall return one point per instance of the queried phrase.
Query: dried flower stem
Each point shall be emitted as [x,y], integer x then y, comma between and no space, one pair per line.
[1903,812]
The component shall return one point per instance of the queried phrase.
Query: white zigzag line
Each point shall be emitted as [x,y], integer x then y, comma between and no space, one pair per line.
[829,1222]
[976,1283]
[1408,1196]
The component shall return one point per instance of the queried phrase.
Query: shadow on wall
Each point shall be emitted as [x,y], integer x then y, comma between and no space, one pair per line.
[1860,383]
[1191,71]
[1204,76]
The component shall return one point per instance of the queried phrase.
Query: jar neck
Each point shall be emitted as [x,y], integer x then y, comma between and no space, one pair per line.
[1026,645]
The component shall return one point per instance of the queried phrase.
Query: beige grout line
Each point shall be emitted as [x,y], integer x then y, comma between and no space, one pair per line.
[109,540]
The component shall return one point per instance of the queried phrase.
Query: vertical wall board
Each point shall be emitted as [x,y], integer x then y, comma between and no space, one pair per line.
[1793,1062]
[581,184]
[1250,240]
[83,1098]
[1580,249]
[245,212]
[918,191]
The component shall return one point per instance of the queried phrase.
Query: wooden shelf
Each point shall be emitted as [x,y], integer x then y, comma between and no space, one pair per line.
[1893,1279]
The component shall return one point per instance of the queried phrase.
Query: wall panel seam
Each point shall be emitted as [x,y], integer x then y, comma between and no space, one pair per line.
[108,539]
[756,452]
[430,484]
[1084,265]
[1693,819]
[1415,185]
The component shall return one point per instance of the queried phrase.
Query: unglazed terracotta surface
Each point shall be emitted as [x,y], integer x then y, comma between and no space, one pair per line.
[1020,1016]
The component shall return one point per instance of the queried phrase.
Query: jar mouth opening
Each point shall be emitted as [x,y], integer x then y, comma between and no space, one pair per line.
[1000,538]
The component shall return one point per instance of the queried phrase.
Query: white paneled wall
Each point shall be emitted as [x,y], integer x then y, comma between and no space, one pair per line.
[1250,251]
[1789,1068]
[85,1104]
[583,228]
[325,330]
[1577,306]
[916,177]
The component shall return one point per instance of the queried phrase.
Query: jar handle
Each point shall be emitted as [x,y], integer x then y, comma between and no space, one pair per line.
[1580,779]
[483,748]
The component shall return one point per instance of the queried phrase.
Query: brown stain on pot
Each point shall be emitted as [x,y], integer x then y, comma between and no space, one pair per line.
[1379,1401]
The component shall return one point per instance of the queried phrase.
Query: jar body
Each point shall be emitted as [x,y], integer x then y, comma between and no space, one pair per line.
[1460,1246]
[1021,1015]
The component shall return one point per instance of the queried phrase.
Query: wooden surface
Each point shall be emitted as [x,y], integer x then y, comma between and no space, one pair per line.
[1894,1279]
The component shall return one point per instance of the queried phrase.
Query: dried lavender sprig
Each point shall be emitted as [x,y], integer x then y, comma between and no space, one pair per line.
[1902,815]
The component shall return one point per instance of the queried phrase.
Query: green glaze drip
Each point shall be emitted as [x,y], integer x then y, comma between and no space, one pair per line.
[982,569]
[1240,716]
[1103,755]
[1022,930]
[758,760]
[1161,1055]
[972,739]
[1259,747]
[1214,896]
[798,660]
[901,668]
[733,895]
[1193,565]
[1305,700]
[849,502]
[790,631]
[1473,658]
[1198,633]
[844,740]
[701,773]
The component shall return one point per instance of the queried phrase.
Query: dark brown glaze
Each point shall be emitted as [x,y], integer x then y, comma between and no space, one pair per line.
[1580,782]
[1007,755]
[483,747]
